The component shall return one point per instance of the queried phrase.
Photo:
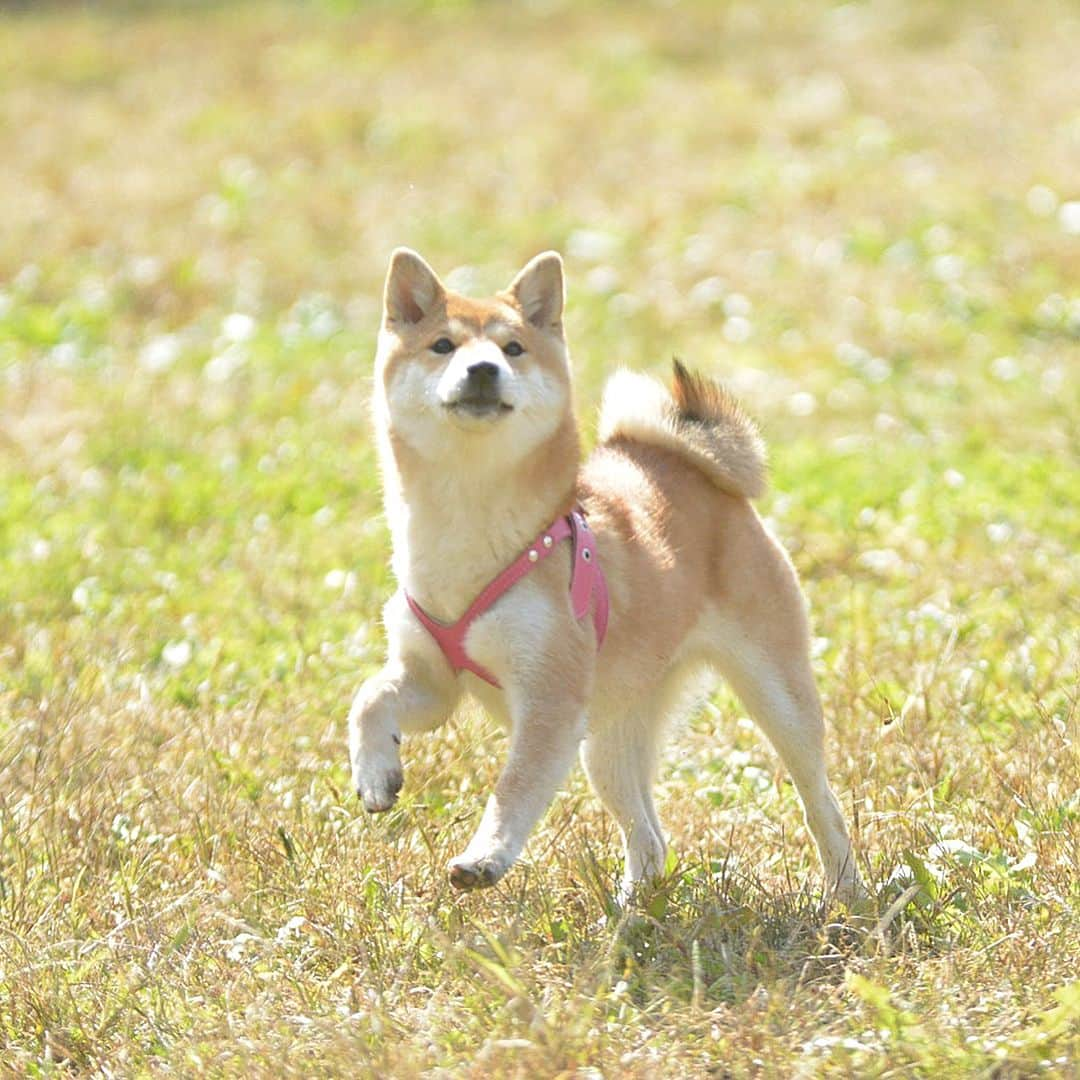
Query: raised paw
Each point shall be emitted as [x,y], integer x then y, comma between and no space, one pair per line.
[468,873]
[380,792]
[376,765]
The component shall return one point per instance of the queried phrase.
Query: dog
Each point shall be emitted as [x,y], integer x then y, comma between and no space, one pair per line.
[579,602]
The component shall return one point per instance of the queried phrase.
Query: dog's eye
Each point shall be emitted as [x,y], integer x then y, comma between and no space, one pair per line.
[444,345]
[513,348]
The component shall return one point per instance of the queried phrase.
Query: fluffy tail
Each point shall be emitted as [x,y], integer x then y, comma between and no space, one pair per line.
[699,419]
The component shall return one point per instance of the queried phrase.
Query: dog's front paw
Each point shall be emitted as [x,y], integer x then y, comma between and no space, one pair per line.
[373,752]
[377,776]
[381,792]
[468,873]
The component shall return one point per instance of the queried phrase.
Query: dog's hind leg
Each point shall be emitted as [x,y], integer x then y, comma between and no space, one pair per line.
[619,756]
[771,674]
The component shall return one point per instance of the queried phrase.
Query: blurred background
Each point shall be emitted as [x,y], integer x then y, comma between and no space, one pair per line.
[863,216]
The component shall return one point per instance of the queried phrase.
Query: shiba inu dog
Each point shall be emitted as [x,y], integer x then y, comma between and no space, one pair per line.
[577,601]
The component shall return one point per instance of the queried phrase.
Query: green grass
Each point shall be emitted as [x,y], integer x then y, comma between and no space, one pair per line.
[861,216]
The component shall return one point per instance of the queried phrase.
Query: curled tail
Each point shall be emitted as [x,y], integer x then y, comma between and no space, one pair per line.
[698,419]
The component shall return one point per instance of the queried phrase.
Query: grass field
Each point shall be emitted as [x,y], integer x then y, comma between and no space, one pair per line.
[865,218]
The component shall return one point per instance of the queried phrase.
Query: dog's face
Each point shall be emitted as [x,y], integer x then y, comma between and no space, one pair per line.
[491,374]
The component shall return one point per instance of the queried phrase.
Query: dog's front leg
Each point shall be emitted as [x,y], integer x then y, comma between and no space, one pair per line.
[397,697]
[543,743]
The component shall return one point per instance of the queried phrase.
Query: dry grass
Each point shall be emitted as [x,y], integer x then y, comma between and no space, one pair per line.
[859,215]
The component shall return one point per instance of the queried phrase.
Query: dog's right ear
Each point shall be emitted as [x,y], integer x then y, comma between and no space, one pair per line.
[412,288]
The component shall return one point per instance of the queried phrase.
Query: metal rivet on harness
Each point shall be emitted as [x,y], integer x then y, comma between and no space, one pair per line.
[533,555]
[587,555]
[548,541]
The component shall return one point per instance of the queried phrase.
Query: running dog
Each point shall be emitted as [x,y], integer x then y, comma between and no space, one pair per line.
[578,601]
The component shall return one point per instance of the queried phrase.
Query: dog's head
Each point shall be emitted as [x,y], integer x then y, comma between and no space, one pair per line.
[491,373]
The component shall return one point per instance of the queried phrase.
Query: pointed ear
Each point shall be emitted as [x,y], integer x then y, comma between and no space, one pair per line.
[412,288]
[538,290]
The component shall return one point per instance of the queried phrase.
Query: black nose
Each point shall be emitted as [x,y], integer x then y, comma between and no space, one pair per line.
[484,375]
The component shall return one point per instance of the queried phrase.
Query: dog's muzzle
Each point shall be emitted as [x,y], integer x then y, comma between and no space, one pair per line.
[479,394]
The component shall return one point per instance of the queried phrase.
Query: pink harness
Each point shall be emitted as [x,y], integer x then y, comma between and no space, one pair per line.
[587,587]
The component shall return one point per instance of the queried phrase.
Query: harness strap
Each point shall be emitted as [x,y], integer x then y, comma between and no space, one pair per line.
[587,588]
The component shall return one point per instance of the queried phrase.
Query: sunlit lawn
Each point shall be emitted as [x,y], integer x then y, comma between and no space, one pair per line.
[865,218]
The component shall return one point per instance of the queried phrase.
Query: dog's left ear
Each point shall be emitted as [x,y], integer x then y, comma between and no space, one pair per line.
[538,290]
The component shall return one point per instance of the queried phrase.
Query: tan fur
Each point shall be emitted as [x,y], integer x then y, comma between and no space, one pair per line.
[699,420]
[696,580]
